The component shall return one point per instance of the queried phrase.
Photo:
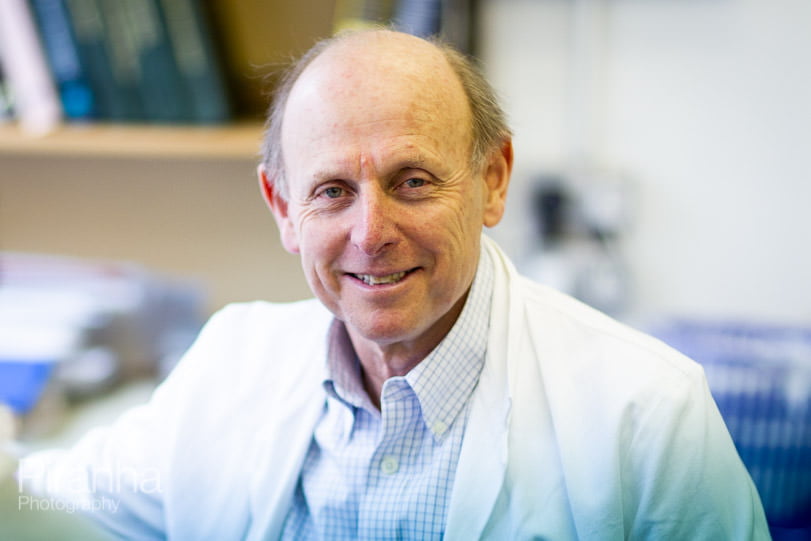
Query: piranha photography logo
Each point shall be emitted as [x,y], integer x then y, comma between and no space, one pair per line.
[82,490]
[26,502]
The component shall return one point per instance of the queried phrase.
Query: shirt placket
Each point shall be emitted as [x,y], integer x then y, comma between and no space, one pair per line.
[388,465]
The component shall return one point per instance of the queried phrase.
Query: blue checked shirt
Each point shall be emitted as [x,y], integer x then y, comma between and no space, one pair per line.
[388,474]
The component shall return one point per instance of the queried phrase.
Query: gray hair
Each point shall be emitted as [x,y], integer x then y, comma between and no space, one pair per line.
[489,125]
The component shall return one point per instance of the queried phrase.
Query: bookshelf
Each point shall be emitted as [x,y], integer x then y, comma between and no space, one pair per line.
[219,50]
[239,42]
[239,140]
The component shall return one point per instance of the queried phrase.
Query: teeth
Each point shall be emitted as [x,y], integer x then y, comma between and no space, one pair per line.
[377,280]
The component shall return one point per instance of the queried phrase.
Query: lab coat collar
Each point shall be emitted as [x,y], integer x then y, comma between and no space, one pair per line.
[483,458]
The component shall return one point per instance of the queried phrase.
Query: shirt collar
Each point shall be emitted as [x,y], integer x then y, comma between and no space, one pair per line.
[445,379]
[344,380]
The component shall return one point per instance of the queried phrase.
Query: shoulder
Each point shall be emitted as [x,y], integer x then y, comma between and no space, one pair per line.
[260,313]
[258,340]
[248,357]
[598,353]
[258,322]
[580,348]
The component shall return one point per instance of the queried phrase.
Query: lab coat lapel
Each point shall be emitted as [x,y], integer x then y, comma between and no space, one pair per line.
[483,458]
[282,446]
[482,462]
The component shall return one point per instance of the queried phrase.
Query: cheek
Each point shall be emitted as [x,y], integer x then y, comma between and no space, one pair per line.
[317,275]
[315,247]
[312,233]
[452,236]
[320,246]
[462,216]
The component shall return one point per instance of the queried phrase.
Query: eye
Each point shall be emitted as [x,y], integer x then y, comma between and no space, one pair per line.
[415,182]
[333,192]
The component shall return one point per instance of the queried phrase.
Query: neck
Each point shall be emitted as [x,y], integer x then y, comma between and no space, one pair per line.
[381,361]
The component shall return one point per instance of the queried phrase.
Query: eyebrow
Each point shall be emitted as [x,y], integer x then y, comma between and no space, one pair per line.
[413,163]
[334,173]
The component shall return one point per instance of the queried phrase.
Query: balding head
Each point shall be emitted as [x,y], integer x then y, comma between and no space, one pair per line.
[375,62]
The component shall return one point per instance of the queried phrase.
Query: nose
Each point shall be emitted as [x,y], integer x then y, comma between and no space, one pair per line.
[374,226]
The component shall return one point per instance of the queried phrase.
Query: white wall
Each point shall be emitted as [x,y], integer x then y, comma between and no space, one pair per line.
[706,106]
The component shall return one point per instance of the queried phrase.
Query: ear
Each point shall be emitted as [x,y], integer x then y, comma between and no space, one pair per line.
[278,206]
[497,178]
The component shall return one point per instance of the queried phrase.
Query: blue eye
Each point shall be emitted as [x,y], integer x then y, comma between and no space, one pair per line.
[415,182]
[333,192]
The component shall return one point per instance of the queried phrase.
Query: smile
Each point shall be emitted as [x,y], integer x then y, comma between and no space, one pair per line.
[371,280]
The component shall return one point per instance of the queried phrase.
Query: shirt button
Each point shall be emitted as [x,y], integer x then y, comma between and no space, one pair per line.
[439,428]
[389,465]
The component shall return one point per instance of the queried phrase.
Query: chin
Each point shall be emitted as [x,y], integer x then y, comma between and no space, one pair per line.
[387,330]
[385,334]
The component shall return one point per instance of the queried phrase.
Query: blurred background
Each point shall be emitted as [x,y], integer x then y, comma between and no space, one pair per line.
[662,175]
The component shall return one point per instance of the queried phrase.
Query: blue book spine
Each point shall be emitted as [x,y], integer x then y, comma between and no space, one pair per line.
[70,75]
[419,17]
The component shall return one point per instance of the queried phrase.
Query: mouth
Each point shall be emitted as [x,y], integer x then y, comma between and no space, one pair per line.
[373,280]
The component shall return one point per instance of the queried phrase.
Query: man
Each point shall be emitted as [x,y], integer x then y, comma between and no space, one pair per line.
[432,392]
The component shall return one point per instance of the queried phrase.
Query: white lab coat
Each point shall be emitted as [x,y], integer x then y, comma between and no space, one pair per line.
[580,428]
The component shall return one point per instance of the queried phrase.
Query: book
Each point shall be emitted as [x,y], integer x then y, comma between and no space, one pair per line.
[110,68]
[141,61]
[68,70]
[159,81]
[197,60]
[419,17]
[36,104]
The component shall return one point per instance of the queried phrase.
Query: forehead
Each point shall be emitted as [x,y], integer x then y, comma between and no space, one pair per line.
[366,58]
[355,91]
